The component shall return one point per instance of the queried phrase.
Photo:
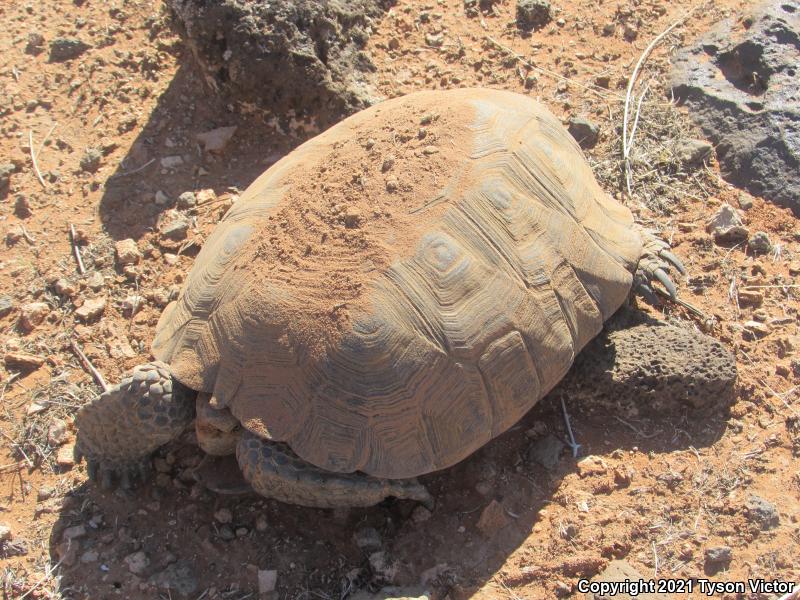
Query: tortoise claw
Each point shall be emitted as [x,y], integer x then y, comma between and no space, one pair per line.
[655,264]
[108,474]
[91,469]
[643,288]
[106,479]
[673,260]
[662,276]
[125,480]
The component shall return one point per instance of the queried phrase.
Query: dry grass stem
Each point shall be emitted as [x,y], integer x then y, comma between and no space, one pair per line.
[33,159]
[98,377]
[627,138]
[603,93]
[76,250]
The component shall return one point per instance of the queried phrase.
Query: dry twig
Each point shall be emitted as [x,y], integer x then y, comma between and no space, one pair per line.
[136,170]
[44,141]
[47,577]
[88,365]
[33,159]
[18,447]
[76,250]
[627,138]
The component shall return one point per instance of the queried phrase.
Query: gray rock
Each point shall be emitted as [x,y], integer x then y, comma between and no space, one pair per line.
[90,556]
[161,199]
[533,14]
[546,451]
[179,577]
[22,207]
[62,49]
[6,169]
[90,161]
[35,43]
[693,153]
[91,309]
[6,305]
[760,243]
[187,200]
[267,580]
[176,228]
[312,53]
[226,533]
[745,202]
[171,162]
[726,226]
[585,131]
[717,558]
[216,139]
[74,532]
[740,85]
[44,493]
[762,512]
[224,515]
[434,40]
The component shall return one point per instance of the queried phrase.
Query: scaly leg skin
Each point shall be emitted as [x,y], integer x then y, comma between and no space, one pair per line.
[118,431]
[654,265]
[274,471]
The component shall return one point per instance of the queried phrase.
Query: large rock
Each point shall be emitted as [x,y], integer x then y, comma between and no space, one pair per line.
[741,86]
[297,56]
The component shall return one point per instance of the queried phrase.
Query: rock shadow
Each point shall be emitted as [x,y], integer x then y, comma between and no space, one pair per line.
[167,158]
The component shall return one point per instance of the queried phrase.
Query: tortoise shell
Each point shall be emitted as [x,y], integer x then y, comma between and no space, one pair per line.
[405,286]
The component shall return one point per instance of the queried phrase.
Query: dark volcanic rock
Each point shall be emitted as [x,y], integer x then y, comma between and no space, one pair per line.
[533,14]
[299,56]
[62,49]
[585,131]
[741,85]
[762,512]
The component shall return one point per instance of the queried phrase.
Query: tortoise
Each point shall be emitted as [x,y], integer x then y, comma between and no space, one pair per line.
[390,296]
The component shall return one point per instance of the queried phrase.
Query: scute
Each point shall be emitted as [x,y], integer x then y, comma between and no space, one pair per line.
[457,338]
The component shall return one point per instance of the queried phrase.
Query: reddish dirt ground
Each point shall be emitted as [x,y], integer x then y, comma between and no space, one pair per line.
[657,491]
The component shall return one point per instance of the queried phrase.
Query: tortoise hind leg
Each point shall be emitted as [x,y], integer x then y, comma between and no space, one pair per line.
[274,471]
[118,431]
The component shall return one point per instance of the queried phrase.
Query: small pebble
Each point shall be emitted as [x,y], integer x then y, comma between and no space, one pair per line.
[760,243]
[137,562]
[91,309]
[74,532]
[261,523]
[33,314]
[127,252]
[224,515]
[267,580]
[90,161]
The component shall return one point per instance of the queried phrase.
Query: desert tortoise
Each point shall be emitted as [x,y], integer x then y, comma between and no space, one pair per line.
[383,301]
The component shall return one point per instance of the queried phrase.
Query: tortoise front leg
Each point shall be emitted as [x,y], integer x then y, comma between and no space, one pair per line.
[654,265]
[274,471]
[118,431]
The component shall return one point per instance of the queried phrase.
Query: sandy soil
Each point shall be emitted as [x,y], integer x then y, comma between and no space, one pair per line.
[113,134]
